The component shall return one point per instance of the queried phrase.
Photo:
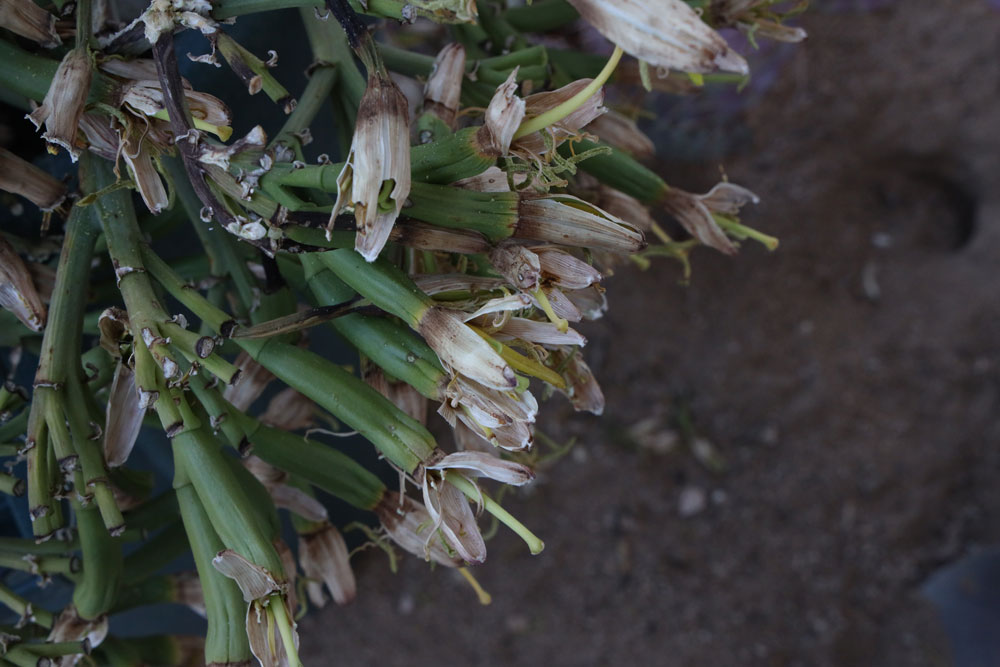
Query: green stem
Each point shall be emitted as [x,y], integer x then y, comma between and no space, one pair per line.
[20,606]
[535,545]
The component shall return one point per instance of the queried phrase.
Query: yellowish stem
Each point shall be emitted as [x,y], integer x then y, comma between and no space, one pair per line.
[556,114]
[277,607]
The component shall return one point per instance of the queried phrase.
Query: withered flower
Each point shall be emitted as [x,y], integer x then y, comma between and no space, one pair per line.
[325,560]
[462,350]
[622,133]
[409,525]
[376,178]
[695,212]
[667,33]
[64,103]
[568,220]
[123,419]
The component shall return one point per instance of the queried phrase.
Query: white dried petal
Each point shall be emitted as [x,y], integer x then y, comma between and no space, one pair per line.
[694,212]
[254,581]
[568,220]
[668,34]
[62,108]
[621,132]
[540,333]
[565,270]
[123,419]
[461,349]
[503,116]
[444,85]
[17,289]
[483,465]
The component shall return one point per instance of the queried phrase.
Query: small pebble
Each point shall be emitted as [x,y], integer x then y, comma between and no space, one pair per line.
[692,501]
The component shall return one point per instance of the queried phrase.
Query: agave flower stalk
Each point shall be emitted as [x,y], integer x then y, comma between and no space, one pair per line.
[253,71]
[28,611]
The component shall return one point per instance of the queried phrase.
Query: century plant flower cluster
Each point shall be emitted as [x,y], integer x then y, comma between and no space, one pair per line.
[173,294]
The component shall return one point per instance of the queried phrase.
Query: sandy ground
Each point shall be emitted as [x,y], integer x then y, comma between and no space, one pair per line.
[847,386]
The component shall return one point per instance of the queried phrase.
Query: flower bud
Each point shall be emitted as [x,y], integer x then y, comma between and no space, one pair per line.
[503,116]
[444,86]
[694,212]
[25,179]
[325,559]
[667,33]
[463,350]
[63,104]
[25,18]
[17,290]
[409,525]
[376,178]
[568,220]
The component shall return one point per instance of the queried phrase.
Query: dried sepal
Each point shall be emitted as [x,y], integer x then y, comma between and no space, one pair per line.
[123,419]
[325,560]
[25,18]
[17,289]
[695,212]
[375,180]
[63,105]
[462,350]
[667,33]
[25,179]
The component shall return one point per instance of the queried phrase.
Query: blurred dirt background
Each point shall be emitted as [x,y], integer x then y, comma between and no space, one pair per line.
[796,440]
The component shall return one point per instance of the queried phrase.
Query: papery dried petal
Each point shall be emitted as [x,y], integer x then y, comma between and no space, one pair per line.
[539,103]
[25,18]
[565,270]
[291,570]
[568,220]
[460,348]
[494,179]
[123,419]
[444,85]
[17,289]
[254,581]
[450,511]
[694,212]
[582,388]
[376,178]
[621,132]
[62,108]
[560,303]
[265,642]
[503,116]
[146,178]
[483,465]
[667,33]
[591,302]
[324,558]
[68,626]
[296,500]
[402,395]
[410,526]
[541,333]
[25,179]
[254,379]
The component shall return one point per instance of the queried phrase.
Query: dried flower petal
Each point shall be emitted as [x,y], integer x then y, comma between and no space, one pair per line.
[25,179]
[694,212]
[571,221]
[461,349]
[254,581]
[503,116]
[325,559]
[483,465]
[17,290]
[667,34]
[410,526]
[123,419]
[444,85]
[25,18]
[63,105]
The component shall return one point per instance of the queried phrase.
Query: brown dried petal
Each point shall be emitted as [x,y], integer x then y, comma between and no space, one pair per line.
[450,510]
[188,591]
[254,378]
[25,18]
[146,178]
[622,133]
[410,526]
[25,179]
[565,270]
[541,333]
[261,633]
[290,411]
[17,289]
[539,103]
[298,501]
[483,465]
[324,557]
[113,324]
[444,85]
[64,102]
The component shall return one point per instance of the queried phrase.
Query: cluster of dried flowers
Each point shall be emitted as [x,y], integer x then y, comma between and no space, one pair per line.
[454,249]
